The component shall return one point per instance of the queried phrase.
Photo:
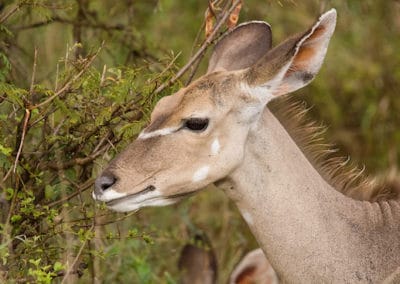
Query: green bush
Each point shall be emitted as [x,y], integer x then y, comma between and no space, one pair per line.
[89,90]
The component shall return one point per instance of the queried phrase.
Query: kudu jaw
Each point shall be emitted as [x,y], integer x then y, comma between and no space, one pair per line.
[197,136]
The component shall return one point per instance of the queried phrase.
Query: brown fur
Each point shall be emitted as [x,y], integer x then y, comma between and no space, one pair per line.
[198,262]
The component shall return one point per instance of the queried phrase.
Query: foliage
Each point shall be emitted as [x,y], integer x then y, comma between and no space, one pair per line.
[89,90]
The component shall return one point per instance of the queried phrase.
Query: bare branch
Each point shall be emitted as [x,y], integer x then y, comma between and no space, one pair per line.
[27,115]
[8,14]
[67,85]
[201,50]
[78,161]
[33,73]
[81,188]
[21,143]
[67,273]
[100,26]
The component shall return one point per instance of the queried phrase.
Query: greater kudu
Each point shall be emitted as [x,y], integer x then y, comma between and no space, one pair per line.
[220,130]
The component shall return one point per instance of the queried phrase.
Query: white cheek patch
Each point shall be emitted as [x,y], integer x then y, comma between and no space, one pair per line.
[262,93]
[108,195]
[160,132]
[247,217]
[250,113]
[201,174]
[215,147]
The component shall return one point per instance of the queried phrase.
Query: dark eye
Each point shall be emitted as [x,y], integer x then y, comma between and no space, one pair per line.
[196,124]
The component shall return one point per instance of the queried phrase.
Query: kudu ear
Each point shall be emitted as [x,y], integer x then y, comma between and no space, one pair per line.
[241,48]
[293,63]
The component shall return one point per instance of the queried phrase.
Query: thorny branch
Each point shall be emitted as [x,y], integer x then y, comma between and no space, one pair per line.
[56,19]
[9,13]
[68,84]
[27,115]
[21,143]
[81,188]
[201,50]
[67,273]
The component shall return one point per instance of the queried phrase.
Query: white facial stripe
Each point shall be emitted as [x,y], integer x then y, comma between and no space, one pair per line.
[108,195]
[201,174]
[215,146]
[159,132]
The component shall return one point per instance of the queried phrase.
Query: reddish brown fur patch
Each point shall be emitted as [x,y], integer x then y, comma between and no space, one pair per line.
[319,31]
[305,54]
[247,276]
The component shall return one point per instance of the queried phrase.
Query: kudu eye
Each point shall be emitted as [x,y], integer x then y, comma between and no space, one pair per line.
[196,124]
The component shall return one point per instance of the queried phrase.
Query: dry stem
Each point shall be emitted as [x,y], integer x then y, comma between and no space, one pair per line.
[200,51]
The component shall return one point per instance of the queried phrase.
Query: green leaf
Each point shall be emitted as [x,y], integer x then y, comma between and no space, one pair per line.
[5,150]
[15,218]
[58,266]
[35,262]
[9,193]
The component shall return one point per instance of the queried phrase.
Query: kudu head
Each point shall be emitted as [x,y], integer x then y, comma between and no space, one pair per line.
[197,136]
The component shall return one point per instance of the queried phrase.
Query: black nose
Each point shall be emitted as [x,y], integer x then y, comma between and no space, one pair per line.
[104,182]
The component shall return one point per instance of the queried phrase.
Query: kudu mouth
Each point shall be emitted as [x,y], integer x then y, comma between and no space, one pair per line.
[148,189]
[175,198]
[149,196]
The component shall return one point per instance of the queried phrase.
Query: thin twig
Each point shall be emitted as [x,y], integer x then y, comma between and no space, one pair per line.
[194,68]
[81,188]
[200,51]
[67,85]
[101,26]
[31,89]
[67,273]
[21,143]
[169,66]
[78,161]
[27,115]
[9,13]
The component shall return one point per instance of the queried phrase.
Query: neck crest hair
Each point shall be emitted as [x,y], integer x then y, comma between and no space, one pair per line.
[339,172]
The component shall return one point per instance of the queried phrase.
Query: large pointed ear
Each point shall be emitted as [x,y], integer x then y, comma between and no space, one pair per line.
[241,47]
[293,63]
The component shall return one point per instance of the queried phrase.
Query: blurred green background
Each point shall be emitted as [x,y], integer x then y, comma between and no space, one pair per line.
[356,94]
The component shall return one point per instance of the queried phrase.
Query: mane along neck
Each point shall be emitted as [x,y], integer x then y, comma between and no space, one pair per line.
[337,171]
[297,217]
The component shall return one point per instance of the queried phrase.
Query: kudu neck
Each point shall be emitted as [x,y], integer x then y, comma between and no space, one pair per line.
[294,214]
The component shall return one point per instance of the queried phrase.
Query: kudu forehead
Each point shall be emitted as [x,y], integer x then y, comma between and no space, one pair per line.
[208,91]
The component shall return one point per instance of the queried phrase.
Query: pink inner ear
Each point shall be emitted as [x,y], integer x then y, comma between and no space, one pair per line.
[309,48]
[302,59]
[246,276]
[318,32]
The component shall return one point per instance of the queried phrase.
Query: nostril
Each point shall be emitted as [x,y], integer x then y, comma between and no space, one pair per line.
[104,182]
